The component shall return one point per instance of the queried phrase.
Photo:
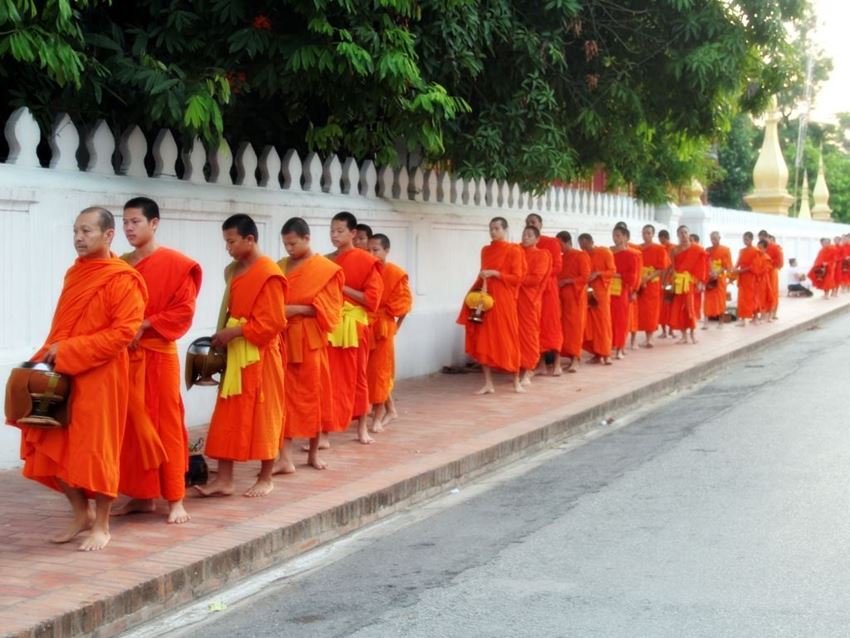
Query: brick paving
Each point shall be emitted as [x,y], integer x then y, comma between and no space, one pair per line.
[444,435]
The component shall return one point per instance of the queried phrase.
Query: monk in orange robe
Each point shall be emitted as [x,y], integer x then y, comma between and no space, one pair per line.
[538,272]
[313,309]
[361,239]
[395,305]
[572,282]
[747,270]
[719,264]
[99,312]
[622,284]
[551,335]
[666,299]
[247,421]
[156,408]
[698,294]
[688,275]
[844,279]
[763,298]
[633,300]
[656,261]
[838,256]
[777,259]
[494,343]
[597,332]
[348,354]
[822,273]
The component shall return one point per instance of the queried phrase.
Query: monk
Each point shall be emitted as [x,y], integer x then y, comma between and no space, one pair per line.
[698,295]
[844,278]
[656,261]
[395,305]
[763,299]
[572,281]
[156,408]
[748,269]
[622,284]
[349,352]
[494,343]
[822,273]
[597,332]
[837,254]
[529,303]
[247,421]
[666,299]
[551,335]
[98,314]
[364,234]
[313,309]
[633,299]
[719,265]
[777,259]
[688,277]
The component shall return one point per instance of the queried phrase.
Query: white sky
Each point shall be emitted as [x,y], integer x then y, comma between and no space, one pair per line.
[833,36]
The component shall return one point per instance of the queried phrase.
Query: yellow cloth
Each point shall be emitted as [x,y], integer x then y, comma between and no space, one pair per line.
[716,265]
[616,288]
[240,354]
[682,282]
[646,271]
[345,334]
[479,298]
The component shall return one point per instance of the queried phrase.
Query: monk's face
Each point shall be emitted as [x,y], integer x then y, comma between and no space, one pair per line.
[296,246]
[647,234]
[89,239]
[497,232]
[529,238]
[341,235]
[682,235]
[824,242]
[618,237]
[715,239]
[361,240]
[377,249]
[532,220]
[137,228]
[664,239]
[585,244]
[748,240]
[565,245]
[237,246]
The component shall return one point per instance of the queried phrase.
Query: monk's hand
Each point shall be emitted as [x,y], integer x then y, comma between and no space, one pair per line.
[221,338]
[593,275]
[487,274]
[50,355]
[135,342]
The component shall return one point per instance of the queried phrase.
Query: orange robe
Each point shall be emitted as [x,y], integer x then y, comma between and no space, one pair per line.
[655,261]
[838,258]
[698,294]
[551,335]
[576,266]
[633,300]
[99,311]
[156,408]
[597,331]
[719,260]
[825,262]
[495,342]
[316,282]
[349,365]
[666,304]
[529,303]
[628,267]
[396,301]
[751,262]
[248,426]
[777,258]
[845,265]
[689,267]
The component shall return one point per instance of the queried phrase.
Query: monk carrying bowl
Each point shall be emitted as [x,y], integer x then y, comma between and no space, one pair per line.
[37,397]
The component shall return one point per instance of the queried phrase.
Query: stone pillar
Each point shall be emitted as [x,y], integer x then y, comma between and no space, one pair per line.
[770,175]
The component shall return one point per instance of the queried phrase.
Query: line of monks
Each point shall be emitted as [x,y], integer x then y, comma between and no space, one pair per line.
[537,305]
[309,342]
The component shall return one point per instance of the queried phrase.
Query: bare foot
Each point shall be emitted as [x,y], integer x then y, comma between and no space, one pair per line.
[606,361]
[377,427]
[216,488]
[79,524]
[647,344]
[526,377]
[284,466]
[595,359]
[620,355]
[261,488]
[324,443]
[487,389]
[682,341]
[518,387]
[97,540]
[364,438]
[663,335]
[556,372]
[316,462]
[573,366]
[705,326]
[391,416]
[135,506]
[177,514]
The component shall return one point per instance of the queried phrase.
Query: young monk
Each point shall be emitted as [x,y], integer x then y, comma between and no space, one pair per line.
[656,261]
[837,259]
[247,421]
[597,332]
[551,335]
[99,313]
[156,408]
[777,260]
[688,276]
[844,278]
[529,303]
[494,343]
[666,301]
[763,298]
[348,355]
[748,268]
[572,282]
[364,234]
[622,284]
[822,273]
[719,264]
[313,309]
[395,305]
[698,294]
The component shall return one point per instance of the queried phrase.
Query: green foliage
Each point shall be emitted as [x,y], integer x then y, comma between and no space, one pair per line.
[736,158]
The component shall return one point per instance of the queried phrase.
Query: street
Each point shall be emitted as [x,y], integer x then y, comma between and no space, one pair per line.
[723,511]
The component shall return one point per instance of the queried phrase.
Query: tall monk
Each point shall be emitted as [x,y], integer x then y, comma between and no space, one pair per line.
[666,299]
[313,309]
[156,408]
[748,269]
[622,285]
[837,253]
[688,276]
[698,294]
[572,282]
[247,421]
[551,335]
[349,352]
[597,332]
[99,312]
[777,259]
[656,261]
[635,285]
[529,303]
[494,343]
[719,264]
[822,273]
[395,305]
[763,299]
[364,234]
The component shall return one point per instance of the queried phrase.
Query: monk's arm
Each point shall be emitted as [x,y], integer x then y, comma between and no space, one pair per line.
[268,317]
[358,295]
[306,311]
[534,277]
[175,321]
[373,289]
[328,303]
[400,300]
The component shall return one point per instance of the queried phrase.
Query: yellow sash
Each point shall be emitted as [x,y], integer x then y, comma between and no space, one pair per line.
[616,288]
[345,334]
[716,265]
[240,354]
[682,282]
[649,271]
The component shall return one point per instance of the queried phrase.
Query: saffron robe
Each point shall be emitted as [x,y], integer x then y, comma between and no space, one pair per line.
[777,259]
[100,309]
[824,260]
[551,335]
[656,261]
[628,267]
[765,265]
[698,294]
[751,264]
[843,272]
[576,266]
[666,304]
[837,255]
[315,282]
[633,300]
[156,408]
[396,302]
[248,425]
[719,261]
[597,331]
[349,365]
[529,304]
[495,342]
[688,267]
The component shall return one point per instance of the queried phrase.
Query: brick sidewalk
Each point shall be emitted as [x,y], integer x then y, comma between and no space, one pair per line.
[444,435]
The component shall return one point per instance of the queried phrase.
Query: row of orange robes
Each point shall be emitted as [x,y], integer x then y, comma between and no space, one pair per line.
[531,298]
[827,272]
[628,264]
[656,261]
[689,270]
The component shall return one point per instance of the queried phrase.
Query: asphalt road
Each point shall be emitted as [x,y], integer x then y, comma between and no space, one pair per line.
[722,512]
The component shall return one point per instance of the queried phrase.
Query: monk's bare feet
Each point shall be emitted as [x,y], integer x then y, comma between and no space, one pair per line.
[177,514]
[663,335]
[487,389]
[682,341]
[391,416]
[316,462]
[376,427]
[518,387]
[135,506]
[557,371]
[620,355]
[284,465]
[79,524]
[364,438]
[526,377]
[574,363]
[606,361]
[95,541]
[595,359]
[647,344]
[216,488]
[324,443]
[261,488]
